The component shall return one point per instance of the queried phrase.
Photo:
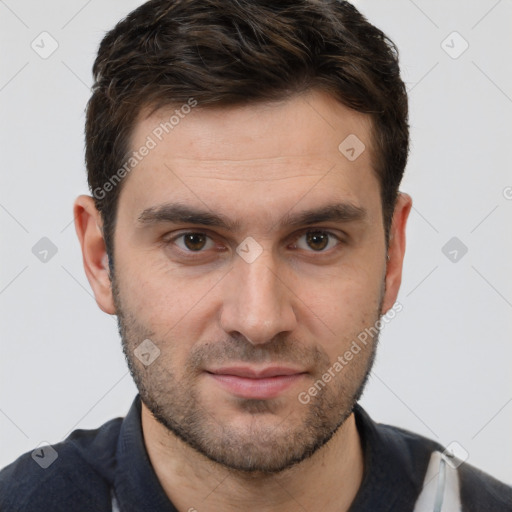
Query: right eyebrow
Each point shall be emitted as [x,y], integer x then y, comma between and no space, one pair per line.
[176,213]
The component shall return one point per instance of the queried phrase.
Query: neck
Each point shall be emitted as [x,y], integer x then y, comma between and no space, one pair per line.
[328,480]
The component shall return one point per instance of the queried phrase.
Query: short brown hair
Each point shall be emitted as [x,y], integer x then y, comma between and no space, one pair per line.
[229,52]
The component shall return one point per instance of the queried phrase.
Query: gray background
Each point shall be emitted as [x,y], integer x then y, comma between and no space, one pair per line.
[444,365]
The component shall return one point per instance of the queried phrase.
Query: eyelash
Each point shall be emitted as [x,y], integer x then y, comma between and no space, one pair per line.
[196,254]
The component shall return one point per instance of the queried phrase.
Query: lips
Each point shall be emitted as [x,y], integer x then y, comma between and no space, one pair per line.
[262,383]
[252,373]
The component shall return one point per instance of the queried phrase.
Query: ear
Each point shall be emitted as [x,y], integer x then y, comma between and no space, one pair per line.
[396,250]
[89,229]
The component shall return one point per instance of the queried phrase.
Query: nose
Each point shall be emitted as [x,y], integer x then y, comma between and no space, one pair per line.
[258,302]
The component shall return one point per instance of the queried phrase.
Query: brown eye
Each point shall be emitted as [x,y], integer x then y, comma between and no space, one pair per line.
[317,241]
[194,241]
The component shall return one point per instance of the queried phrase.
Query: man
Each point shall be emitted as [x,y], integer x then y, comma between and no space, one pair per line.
[247,230]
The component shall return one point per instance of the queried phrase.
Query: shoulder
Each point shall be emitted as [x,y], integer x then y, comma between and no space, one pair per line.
[407,456]
[72,475]
[481,492]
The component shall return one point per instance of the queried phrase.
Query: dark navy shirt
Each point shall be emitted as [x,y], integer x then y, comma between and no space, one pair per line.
[94,466]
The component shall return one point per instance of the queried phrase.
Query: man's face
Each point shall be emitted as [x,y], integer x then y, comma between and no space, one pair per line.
[245,325]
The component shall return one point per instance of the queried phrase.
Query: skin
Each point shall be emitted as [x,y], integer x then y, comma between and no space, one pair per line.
[296,304]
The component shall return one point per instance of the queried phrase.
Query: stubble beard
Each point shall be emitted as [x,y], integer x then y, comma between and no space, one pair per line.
[262,447]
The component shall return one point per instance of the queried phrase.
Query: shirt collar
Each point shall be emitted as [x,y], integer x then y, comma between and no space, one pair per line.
[388,481]
[136,485]
[394,466]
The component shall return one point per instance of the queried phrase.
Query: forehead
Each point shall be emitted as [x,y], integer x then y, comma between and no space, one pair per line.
[267,152]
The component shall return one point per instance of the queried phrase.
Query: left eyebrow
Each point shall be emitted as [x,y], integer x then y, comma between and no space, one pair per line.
[176,213]
[339,212]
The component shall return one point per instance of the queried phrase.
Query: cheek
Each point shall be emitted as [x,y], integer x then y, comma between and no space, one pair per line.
[342,306]
[169,302]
